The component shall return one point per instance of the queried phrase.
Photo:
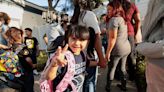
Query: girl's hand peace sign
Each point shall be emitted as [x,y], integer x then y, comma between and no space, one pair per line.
[59,58]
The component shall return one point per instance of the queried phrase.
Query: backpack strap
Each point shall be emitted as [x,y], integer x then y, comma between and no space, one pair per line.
[83,56]
[46,85]
[67,79]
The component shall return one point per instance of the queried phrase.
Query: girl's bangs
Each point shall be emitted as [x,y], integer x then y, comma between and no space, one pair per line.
[82,35]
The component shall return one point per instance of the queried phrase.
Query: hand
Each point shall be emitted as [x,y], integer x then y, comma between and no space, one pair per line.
[102,64]
[3,46]
[59,59]
[107,56]
[138,37]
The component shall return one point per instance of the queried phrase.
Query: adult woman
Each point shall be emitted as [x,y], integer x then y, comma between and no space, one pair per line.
[118,45]
[134,33]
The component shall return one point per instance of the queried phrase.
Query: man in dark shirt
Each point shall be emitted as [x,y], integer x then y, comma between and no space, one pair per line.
[32,46]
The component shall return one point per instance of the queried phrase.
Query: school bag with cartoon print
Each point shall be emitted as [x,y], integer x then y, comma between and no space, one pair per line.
[9,62]
[10,68]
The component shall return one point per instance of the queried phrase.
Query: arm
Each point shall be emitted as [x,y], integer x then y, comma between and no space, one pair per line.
[37,47]
[29,60]
[51,71]
[152,50]
[90,20]
[98,47]
[112,34]
[93,63]
[37,50]
[45,38]
[3,46]
[137,27]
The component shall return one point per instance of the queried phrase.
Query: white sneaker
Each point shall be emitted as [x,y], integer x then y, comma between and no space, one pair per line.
[35,72]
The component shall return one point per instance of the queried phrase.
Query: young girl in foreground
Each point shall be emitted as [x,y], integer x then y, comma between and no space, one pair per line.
[77,38]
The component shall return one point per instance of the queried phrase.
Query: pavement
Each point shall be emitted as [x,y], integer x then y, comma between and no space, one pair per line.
[101,81]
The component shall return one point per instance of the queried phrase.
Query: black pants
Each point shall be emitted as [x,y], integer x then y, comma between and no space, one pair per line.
[112,65]
[28,82]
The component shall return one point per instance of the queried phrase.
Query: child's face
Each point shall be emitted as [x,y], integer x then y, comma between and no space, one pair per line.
[77,45]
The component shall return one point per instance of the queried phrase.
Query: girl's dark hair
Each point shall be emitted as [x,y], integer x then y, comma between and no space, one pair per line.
[80,32]
[117,10]
[90,49]
[29,29]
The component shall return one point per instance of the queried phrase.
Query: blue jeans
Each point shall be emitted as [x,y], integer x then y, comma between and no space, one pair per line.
[90,80]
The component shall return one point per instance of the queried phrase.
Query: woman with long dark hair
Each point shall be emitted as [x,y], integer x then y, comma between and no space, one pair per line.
[134,33]
[118,45]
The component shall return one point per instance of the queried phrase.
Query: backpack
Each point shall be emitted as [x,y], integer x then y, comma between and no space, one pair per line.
[63,79]
[11,69]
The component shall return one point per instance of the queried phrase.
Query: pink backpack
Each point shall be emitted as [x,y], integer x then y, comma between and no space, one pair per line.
[47,85]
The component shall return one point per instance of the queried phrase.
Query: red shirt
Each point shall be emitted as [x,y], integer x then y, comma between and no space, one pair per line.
[133,10]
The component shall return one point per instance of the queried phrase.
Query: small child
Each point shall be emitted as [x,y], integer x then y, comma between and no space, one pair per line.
[77,38]
[16,35]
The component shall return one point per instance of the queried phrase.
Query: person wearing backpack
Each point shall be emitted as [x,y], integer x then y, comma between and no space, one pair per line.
[25,60]
[72,55]
[85,17]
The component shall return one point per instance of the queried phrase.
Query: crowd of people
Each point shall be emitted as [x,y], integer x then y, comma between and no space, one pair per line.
[75,48]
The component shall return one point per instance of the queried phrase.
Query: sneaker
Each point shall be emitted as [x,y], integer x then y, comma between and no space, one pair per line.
[35,72]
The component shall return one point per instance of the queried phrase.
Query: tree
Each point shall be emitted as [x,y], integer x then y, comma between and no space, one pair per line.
[69,4]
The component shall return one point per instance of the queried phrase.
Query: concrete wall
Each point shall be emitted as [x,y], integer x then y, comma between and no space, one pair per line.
[32,20]
[14,11]
[35,22]
[22,19]
[142,6]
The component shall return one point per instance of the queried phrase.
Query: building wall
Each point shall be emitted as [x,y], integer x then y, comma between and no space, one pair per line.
[23,17]
[35,22]
[14,11]
[142,6]
[32,20]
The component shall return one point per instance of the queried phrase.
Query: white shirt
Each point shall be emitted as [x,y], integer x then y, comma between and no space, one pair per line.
[89,20]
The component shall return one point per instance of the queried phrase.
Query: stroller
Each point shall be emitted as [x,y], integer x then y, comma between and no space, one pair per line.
[10,69]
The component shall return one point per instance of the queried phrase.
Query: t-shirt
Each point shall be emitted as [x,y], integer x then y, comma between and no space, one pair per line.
[2,39]
[89,19]
[31,44]
[133,10]
[54,31]
[122,45]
